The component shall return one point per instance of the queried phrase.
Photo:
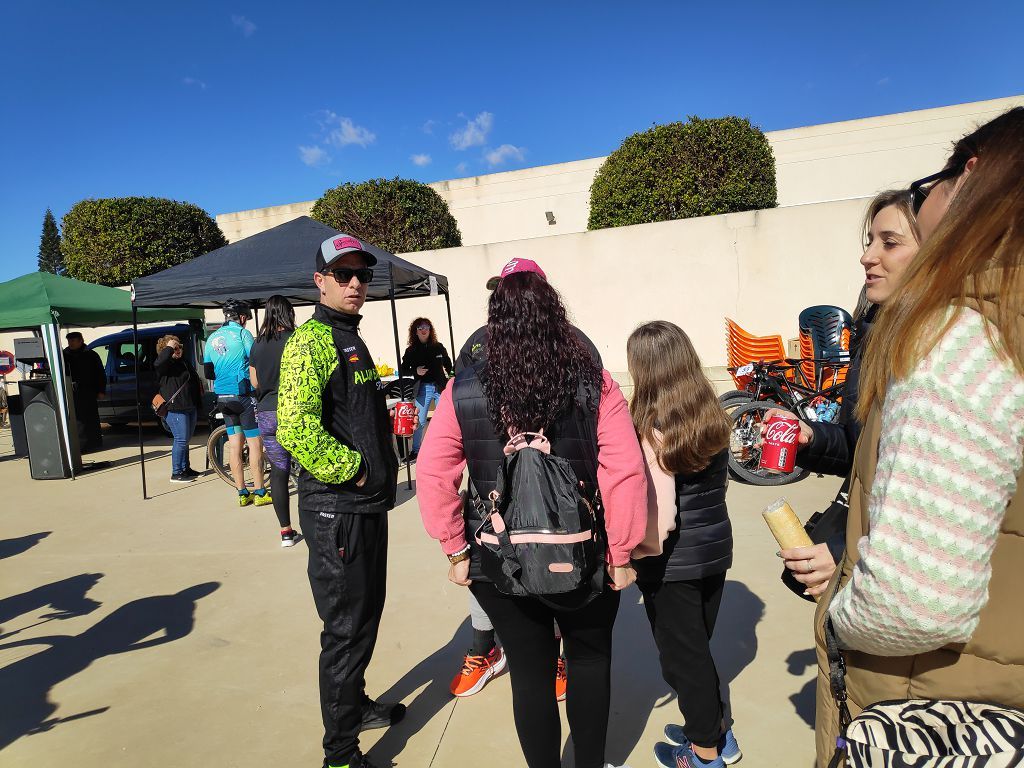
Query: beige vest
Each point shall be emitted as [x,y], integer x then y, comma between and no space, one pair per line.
[989,667]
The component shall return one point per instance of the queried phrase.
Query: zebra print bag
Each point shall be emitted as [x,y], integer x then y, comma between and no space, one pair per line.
[922,733]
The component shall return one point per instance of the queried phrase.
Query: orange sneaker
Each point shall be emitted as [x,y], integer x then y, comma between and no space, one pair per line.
[477,671]
[561,679]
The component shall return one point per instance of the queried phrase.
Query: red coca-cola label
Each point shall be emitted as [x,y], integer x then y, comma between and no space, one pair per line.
[405,414]
[778,451]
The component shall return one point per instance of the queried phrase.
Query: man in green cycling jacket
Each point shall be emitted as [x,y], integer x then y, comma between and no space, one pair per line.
[332,418]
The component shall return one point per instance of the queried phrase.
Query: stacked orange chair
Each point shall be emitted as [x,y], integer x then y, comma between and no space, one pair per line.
[743,347]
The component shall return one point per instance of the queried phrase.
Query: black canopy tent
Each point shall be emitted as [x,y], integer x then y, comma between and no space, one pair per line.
[277,261]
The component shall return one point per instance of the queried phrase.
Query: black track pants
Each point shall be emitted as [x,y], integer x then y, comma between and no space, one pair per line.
[682,616]
[526,632]
[348,576]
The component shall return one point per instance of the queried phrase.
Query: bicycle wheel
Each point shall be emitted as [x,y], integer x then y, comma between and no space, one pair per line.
[737,398]
[745,450]
[219,451]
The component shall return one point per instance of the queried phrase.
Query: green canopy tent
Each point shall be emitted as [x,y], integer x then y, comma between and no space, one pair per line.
[45,302]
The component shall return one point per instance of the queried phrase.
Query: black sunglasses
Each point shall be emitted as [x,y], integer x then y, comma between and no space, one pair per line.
[422,327]
[345,274]
[921,188]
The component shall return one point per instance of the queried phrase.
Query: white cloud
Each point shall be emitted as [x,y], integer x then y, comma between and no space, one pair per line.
[247,27]
[341,131]
[504,153]
[420,160]
[884,81]
[314,156]
[462,167]
[428,127]
[474,133]
[194,81]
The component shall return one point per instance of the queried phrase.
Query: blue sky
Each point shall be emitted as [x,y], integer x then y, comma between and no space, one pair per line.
[249,104]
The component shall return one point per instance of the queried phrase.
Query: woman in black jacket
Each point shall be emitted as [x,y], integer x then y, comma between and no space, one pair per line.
[892,239]
[682,562]
[179,387]
[427,360]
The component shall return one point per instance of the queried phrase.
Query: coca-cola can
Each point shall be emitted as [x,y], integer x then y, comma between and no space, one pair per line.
[778,450]
[405,414]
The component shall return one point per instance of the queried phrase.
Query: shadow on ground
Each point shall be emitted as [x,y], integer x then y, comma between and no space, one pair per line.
[67,597]
[804,699]
[435,672]
[637,685]
[171,617]
[12,547]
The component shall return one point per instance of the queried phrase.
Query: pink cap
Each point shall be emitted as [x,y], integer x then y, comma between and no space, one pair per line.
[516,265]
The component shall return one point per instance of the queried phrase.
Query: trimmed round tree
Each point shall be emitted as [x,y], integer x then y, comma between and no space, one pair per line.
[398,215]
[113,241]
[681,170]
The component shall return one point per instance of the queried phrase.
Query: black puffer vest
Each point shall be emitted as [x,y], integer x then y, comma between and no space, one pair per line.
[701,544]
[573,436]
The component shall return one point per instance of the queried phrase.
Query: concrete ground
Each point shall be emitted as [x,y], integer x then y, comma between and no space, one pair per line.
[176,631]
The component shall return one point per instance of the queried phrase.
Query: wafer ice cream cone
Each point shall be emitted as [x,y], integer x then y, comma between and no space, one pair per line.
[785,525]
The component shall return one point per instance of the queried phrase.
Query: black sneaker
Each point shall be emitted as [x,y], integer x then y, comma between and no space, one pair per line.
[181,477]
[192,473]
[377,714]
[358,760]
[289,538]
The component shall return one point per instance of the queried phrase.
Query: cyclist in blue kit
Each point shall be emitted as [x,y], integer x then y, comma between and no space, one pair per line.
[226,362]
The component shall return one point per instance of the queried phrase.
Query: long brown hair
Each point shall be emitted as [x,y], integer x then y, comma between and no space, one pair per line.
[414,339]
[976,251]
[671,394]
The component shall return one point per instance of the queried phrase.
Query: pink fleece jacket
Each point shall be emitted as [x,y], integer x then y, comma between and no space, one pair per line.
[621,475]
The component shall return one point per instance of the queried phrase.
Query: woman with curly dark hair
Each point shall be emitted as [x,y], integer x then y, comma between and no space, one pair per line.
[539,376]
[427,361]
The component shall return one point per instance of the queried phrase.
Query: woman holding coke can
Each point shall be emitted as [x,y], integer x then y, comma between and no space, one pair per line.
[682,561]
[892,239]
[928,597]
[427,361]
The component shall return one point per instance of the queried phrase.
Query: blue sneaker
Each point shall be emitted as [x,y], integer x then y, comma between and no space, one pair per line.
[727,746]
[681,756]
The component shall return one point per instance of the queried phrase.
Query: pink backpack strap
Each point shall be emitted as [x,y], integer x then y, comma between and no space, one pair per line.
[521,440]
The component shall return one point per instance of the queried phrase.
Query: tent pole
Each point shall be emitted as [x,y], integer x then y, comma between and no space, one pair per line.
[451,331]
[56,358]
[394,314]
[138,395]
[398,363]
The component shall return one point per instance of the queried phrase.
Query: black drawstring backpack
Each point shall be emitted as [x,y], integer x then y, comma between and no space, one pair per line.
[542,535]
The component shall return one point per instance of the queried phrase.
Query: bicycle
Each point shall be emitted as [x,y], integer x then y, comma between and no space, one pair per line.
[770,386]
[218,455]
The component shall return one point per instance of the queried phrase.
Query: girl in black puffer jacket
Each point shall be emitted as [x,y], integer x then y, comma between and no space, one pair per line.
[682,562]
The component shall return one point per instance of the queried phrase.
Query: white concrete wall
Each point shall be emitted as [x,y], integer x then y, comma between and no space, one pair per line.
[835,161]
[760,268]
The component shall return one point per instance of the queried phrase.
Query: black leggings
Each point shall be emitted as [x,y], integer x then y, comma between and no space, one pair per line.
[682,616]
[279,490]
[524,626]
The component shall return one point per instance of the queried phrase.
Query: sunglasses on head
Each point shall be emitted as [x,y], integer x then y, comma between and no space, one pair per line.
[921,188]
[345,274]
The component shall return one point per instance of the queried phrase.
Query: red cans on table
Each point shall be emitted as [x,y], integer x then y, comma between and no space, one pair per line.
[405,414]
[778,451]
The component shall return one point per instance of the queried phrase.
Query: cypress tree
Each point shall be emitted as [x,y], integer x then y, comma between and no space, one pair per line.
[50,257]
